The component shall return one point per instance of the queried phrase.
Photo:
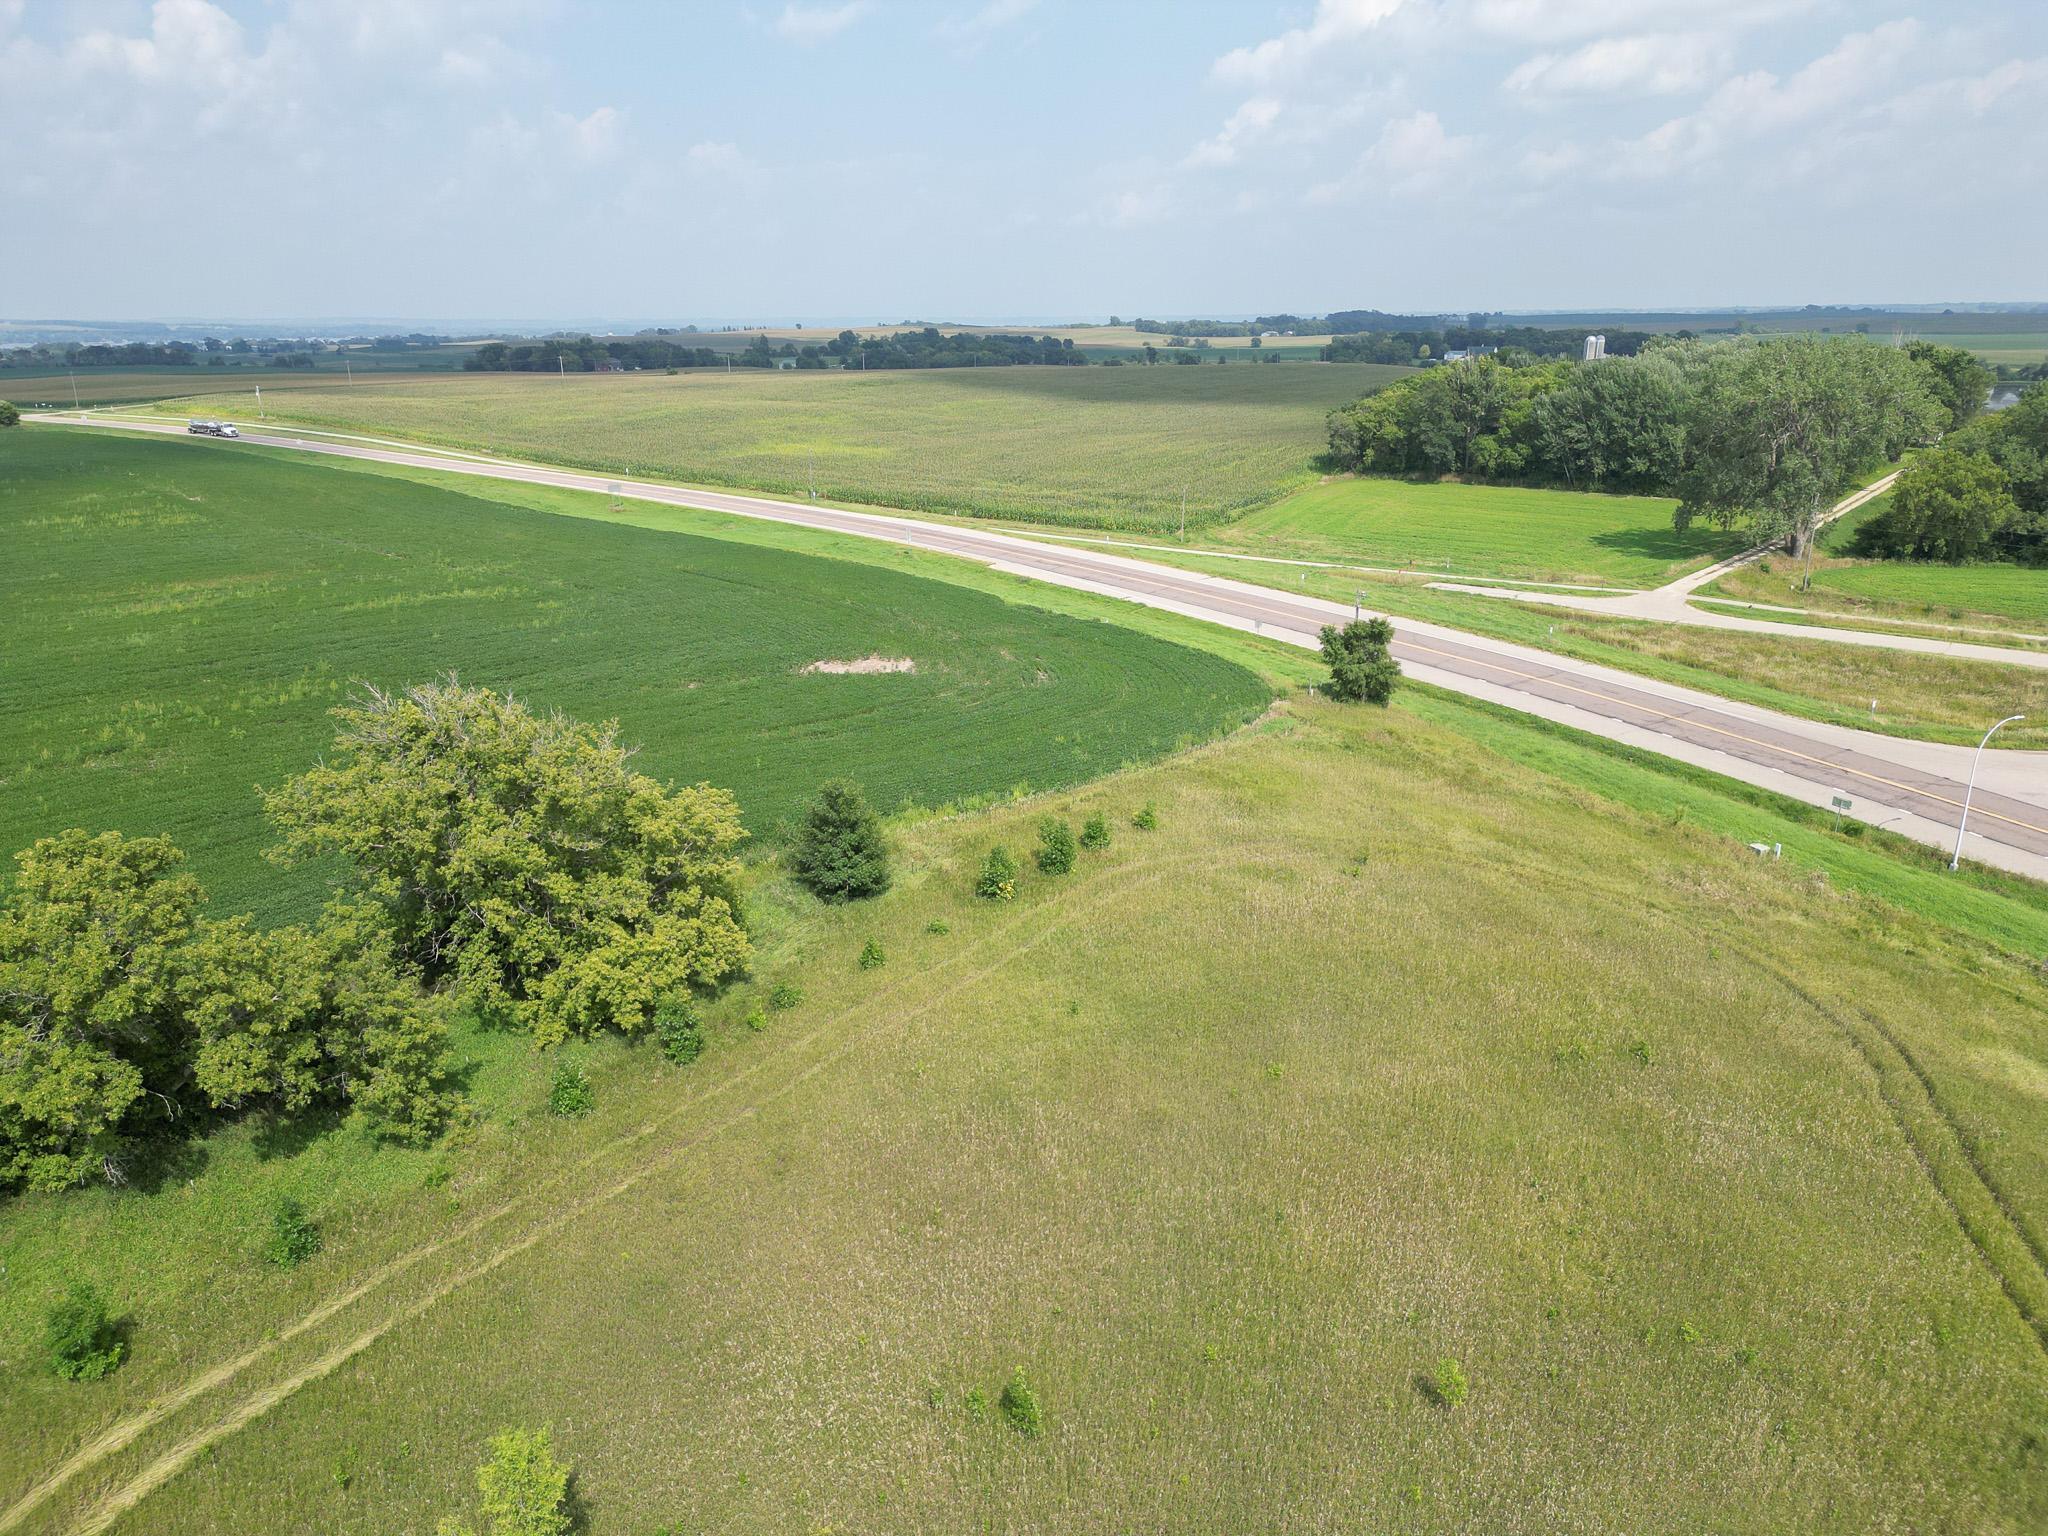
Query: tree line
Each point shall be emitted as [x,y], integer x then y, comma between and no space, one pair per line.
[1766,432]
[1421,346]
[1982,495]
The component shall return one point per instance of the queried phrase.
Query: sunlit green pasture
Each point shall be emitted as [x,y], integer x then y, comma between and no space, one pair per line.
[178,618]
[1466,530]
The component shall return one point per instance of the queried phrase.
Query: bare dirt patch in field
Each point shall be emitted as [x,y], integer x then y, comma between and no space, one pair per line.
[865,665]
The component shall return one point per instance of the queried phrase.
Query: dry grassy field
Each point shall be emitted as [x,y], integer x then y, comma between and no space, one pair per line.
[1094,446]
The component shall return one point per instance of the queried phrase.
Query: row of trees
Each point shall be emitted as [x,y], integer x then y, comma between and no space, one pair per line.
[505,861]
[1413,346]
[583,354]
[1982,495]
[1767,431]
[931,348]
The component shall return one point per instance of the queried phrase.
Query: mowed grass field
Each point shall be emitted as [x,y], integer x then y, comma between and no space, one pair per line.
[1492,530]
[178,618]
[1722,1184]
[1094,446]
[1984,595]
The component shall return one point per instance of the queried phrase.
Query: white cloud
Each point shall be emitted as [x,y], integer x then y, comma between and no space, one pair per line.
[1248,123]
[972,31]
[1666,64]
[595,137]
[1412,154]
[808,24]
[1564,21]
[1335,21]
[717,157]
[1759,103]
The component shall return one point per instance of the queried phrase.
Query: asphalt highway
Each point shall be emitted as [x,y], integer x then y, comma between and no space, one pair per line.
[1915,788]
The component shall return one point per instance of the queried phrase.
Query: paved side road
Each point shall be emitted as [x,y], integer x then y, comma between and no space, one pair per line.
[1915,788]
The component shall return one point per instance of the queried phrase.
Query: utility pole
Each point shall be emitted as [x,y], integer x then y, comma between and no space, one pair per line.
[1182,535]
[561,365]
[1971,789]
[348,370]
[74,392]
[259,402]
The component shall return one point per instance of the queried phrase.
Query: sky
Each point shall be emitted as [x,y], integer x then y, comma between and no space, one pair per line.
[837,160]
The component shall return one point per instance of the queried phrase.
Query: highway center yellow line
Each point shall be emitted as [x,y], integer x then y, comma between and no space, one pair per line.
[1768,746]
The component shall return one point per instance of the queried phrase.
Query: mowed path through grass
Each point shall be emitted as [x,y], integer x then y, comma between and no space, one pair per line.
[1492,530]
[1093,446]
[178,619]
[1382,1049]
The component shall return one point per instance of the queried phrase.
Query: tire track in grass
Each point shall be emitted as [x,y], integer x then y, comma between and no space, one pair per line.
[162,1468]
[1981,1210]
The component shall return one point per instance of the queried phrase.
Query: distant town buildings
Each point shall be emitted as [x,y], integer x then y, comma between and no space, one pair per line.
[1596,348]
[1466,354]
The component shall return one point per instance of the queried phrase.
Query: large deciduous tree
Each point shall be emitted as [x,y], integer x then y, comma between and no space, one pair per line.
[1779,429]
[1947,505]
[93,1042]
[1362,669]
[522,859]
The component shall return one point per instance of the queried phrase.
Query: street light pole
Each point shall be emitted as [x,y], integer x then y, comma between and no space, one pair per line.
[1971,788]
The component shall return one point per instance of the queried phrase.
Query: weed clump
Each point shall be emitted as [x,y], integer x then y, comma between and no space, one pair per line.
[998,880]
[1095,832]
[294,1238]
[938,925]
[782,996]
[1147,819]
[1055,846]
[1447,1383]
[756,1019]
[570,1094]
[82,1342]
[1020,1406]
[871,956]
[679,1030]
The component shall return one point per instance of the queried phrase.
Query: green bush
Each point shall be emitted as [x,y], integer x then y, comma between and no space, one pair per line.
[1095,832]
[1147,819]
[10,414]
[839,853]
[998,880]
[1020,1406]
[938,925]
[293,1236]
[756,1019]
[570,1094]
[79,1336]
[1448,1385]
[1055,846]
[1362,669]
[782,996]
[525,1489]
[679,1030]
[871,955]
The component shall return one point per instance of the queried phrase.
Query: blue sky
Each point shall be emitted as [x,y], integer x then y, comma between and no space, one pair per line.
[834,159]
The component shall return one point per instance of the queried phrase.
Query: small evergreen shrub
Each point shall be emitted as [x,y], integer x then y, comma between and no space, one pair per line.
[998,880]
[1448,1383]
[871,955]
[679,1030]
[839,853]
[782,996]
[1020,1406]
[1055,846]
[293,1236]
[1095,832]
[81,1339]
[570,1094]
[1147,819]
